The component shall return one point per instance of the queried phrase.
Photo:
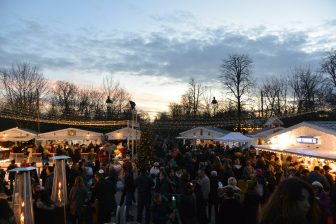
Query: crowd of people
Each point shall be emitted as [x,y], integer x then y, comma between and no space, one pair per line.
[192,184]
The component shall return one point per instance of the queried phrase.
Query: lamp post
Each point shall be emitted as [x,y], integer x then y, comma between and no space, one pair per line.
[214,105]
[22,196]
[132,131]
[109,106]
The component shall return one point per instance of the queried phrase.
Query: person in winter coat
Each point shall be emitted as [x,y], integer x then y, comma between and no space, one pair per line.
[45,208]
[317,176]
[77,200]
[187,208]
[213,195]
[6,214]
[251,203]
[144,184]
[230,210]
[11,175]
[160,209]
[104,192]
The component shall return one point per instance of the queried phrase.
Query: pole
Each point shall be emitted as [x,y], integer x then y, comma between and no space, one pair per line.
[38,110]
[136,134]
[132,134]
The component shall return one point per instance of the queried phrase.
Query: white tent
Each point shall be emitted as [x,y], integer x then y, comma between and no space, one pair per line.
[70,134]
[17,135]
[234,137]
[124,134]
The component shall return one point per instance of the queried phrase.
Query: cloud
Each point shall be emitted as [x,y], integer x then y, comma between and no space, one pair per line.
[168,52]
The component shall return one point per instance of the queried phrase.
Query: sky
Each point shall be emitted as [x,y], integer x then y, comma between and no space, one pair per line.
[154,47]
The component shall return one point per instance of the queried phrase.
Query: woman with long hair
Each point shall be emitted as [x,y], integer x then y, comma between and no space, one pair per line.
[77,199]
[292,202]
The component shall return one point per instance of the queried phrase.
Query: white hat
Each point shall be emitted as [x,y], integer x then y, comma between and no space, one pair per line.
[317,184]
[214,173]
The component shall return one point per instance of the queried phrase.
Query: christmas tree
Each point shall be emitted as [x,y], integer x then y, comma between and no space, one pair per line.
[145,153]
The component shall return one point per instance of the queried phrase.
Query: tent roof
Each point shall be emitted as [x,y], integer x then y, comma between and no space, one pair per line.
[76,129]
[324,126]
[29,134]
[265,131]
[234,137]
[273,121]
[214,129]
[51,135]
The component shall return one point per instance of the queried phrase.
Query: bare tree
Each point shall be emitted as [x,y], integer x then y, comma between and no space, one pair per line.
[186,103]
[274,96]
[305,85]
[119,97]
[65,94]
[23,86]
[207,99]
[195,92]
[328,66]
[175,110]
[236,77]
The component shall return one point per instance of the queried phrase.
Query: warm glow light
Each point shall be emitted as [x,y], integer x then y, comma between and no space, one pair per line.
[283,141]
[21,215]
[59,192]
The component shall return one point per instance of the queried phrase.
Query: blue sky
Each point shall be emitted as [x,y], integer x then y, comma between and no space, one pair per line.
[154,47]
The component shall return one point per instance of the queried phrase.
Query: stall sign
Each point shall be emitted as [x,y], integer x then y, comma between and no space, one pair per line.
[307,140]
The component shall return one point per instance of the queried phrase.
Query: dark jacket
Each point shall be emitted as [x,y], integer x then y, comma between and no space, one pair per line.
[144,184]
[160,212]
[104,192]
[77,198]
[49,183]
[230,212]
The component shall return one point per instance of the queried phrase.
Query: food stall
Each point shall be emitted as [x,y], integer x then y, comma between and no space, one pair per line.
[310,143]
[74,135]
[15,135]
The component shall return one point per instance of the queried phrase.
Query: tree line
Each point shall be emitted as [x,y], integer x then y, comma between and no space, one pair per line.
[26,91]
[302,89]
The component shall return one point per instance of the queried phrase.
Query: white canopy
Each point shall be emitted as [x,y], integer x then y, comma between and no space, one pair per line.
[17,135]
[234,137]
[124,134]
[69,134]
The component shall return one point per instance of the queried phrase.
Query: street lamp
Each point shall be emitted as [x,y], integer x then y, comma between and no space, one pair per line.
[109,106]
[132,131]
[214,105]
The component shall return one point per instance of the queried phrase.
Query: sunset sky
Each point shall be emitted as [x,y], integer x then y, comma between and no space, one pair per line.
[154,47]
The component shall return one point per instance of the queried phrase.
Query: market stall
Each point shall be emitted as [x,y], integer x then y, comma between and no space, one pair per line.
[71,134]
[124,134]
[310,143]
[17,135]
[202,135]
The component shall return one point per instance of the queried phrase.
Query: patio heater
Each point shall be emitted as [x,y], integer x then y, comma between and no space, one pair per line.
[59,189]
[22,196]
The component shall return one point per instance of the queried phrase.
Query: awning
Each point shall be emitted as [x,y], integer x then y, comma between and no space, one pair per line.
[317,153]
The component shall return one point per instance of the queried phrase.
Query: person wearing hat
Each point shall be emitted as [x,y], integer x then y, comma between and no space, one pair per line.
[155,170]
[230,210]
[317,176]
[324,201]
